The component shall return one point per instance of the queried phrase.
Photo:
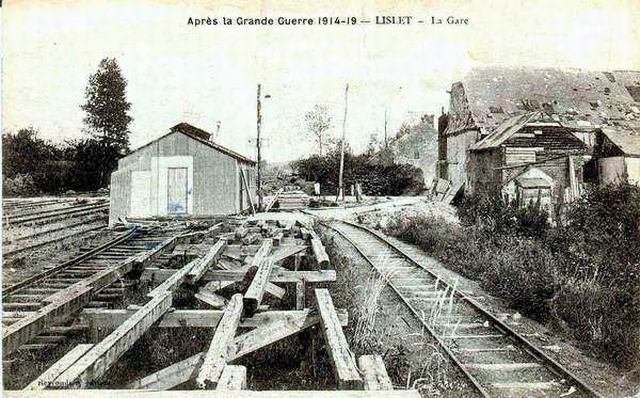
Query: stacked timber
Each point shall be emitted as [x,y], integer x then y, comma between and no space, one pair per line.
[293,200]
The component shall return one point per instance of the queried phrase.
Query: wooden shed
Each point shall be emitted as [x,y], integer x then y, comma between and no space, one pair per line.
[181,174]
[528,156]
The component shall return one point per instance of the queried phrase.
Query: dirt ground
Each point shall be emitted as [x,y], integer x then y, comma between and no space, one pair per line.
[609,380]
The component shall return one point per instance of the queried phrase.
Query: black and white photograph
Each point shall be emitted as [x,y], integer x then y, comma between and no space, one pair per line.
[327,199]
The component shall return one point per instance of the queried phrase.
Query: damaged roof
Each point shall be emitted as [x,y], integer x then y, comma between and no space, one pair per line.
[579,98]
[628,140]
[505,131]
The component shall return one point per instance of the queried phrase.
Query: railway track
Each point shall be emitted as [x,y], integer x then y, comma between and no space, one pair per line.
[35,309]
[497,361]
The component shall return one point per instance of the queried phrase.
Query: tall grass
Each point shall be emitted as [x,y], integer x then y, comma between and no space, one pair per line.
[582,276]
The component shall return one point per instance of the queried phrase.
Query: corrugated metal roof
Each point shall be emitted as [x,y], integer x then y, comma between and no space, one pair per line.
[628,140]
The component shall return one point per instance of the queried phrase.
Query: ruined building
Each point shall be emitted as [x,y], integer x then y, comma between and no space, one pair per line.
[529,133]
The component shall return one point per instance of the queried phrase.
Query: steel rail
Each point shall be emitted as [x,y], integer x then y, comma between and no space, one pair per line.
[530,348]
[35,278]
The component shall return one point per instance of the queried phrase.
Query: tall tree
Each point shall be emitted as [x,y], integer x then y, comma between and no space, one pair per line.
[107,119]
[318,122]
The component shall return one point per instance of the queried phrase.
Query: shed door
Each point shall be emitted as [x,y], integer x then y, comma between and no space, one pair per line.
[177,190]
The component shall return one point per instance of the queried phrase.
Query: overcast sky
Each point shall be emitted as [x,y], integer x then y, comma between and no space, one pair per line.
[206,74]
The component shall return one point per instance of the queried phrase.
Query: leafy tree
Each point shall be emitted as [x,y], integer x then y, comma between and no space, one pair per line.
[318,122]
[107,119]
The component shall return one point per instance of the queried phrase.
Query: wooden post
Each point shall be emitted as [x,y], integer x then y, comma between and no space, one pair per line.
[216,357]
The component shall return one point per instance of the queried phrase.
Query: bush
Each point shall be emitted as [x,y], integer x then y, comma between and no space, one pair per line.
[20,185]
[376,179]
[523,272]
[583,275]
[604,319]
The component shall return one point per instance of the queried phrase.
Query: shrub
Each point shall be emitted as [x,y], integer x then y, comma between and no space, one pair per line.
[20,185]
[604,319]
[523,272]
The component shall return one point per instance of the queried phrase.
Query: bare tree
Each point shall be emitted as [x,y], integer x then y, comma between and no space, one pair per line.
[318,122]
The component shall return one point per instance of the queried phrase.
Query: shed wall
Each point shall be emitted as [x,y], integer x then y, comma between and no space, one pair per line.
[213,186]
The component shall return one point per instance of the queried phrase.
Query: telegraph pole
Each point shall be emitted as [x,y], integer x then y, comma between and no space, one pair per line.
[340,195]
[258,145]
[385,127]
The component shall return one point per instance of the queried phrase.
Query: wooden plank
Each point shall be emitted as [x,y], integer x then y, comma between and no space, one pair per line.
[209,297]
[343,362]
[103,355]
[199,269]
[187,369]
[374,373]
[109,319]
[322,259]
[241,231]
[274,331]
[277,276]
[176,278]
[300,291]
[246,188]
[47,378]
[233,378]
[284,252]
[254,294]
[171,376]
[216,357]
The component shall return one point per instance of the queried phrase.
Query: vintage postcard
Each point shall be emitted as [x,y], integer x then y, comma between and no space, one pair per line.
[323,199]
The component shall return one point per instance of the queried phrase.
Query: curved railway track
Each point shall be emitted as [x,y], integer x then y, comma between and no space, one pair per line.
[498,361]
[38,305]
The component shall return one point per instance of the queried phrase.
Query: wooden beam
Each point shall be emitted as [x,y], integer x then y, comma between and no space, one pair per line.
[175,279]
[287,251]
[274,331]
[103,355]
[209,297]
[171,376]
[216,357]
[283,323]
[49,376]
[375,373]
[246,188]
[199,269]
[343,362]
[233,378]
[300,293]
[110,319]
[241,231]
[255,292]
[322,259]
[277,276]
